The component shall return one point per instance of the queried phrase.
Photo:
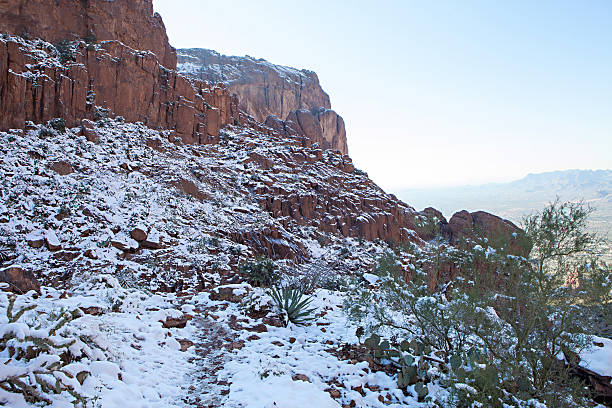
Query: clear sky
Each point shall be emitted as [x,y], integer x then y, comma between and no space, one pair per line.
[435,93]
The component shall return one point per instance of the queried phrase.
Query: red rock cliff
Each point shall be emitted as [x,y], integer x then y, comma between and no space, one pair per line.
[132,22]
[272,92]
[108,77]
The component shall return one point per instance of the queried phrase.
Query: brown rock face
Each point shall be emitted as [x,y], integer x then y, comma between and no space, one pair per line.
[19,281]
[319,188]
[34,86]
[499,232]
[266,90]
[130,21]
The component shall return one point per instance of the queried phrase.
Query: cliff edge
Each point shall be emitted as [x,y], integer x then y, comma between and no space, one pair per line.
[287,99]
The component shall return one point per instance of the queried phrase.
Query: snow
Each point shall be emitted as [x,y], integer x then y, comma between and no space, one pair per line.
[51,238]
[250,390]
[124,375]
[264,373]
[598,359]
[371,278]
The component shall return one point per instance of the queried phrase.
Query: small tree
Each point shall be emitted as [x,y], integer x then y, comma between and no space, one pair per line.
[506,322]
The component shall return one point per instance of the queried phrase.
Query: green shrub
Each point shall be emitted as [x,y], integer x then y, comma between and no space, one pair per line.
[294,303]
[65,51]
[260,272]
[502,324]
[58,124]
[45,132]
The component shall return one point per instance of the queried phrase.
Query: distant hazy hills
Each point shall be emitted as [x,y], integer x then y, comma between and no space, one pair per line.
[516,199]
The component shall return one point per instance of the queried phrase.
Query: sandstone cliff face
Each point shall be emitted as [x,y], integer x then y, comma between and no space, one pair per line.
[130,21]
[267,90]
[108,78]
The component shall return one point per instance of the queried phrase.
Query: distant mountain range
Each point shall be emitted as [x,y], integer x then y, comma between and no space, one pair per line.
[519,198]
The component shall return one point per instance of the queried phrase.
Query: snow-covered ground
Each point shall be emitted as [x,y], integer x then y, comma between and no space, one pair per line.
[69,210]
[133,361]
[140,364]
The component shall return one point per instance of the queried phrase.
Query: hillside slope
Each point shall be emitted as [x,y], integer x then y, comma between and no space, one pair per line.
[134,203]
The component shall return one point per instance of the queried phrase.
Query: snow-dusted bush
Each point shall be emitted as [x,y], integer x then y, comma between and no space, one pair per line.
[39,357]
[260,272]
[509,328]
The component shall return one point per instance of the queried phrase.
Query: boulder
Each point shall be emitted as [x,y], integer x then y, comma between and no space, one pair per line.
[19,280]
[62,167]
[139,234]
[88,129]
[498,231]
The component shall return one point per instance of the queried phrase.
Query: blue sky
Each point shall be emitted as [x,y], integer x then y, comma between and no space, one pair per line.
[438,92]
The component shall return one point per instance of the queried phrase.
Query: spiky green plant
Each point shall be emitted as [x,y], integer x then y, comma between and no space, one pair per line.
[294,303]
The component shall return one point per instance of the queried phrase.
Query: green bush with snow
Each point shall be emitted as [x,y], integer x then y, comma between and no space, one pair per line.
[508,328]
[40,357]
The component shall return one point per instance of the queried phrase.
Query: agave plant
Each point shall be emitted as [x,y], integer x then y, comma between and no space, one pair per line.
[294,303]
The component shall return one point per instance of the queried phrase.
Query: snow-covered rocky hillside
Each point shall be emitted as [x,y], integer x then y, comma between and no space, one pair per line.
[133,239]
[102,224]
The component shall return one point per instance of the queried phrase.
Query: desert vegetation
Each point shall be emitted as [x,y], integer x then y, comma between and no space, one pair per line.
[508,330]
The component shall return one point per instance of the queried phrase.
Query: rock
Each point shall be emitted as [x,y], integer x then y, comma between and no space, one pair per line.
[88,129]
[113,76]
[139,234]
[189,187]
[226,293]
[498,231]
[235,345]
[132,22]
[185,344]
[333,393]
[258,328]
[172,322]
[51,240]
[35,239]
[93,310]
[62,168]
[19,280]
[301,377]
[273,321]
[66,256]
[151,245]
[90,253]
[273,94]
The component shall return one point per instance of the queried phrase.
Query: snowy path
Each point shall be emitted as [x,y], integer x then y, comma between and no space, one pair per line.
[210,341]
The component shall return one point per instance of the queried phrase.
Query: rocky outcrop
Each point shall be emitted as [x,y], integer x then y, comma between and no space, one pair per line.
[308,180]
[499,232]
[272,92]
[131,22]
[106,79]
[321,189]
[19,280]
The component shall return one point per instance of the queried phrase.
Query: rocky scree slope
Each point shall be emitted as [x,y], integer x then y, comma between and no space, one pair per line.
[144,236]
[287,99]
[103,222]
